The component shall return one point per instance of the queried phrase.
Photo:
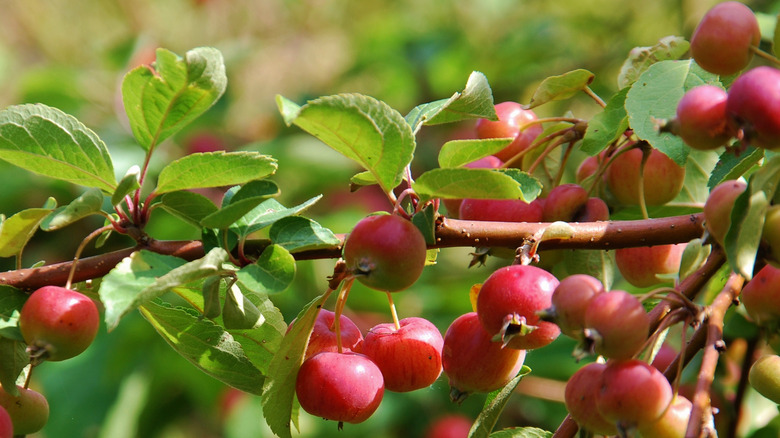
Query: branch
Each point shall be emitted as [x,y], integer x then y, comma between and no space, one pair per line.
[449,233]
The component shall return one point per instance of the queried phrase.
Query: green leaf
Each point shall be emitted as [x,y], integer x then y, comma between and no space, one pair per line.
[14,358]
[188,206]
[606,126]
[288,109]
[144,276]
[363,129]
[205,344]
[596,263]
[694,255]
[462,182]
[48,142]
[297,233]
[211,299]
[654,97]
[732,166]
[11,302]
[641,58]
[456,153]
[494,405]
[425,221]
[561,87]
[261,342]
[17,230]
[214,169]
[747,218]
[272,273]
[240,201]
[239,313]
[474,102]
[365,178]
[266,214]
[127,185]
[161,101]
[279,390]
[522,432]
[89,203]
[776,36]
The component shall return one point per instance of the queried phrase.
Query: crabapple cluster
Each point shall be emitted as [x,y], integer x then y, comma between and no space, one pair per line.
[57,324]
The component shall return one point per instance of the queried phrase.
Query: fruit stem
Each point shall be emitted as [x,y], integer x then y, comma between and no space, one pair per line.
[81,247]
[641,188]
[340,302]
[546,152]
[393,311]
[768,56]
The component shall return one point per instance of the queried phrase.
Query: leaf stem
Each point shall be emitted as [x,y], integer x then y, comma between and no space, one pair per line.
[81,247]
[595,97]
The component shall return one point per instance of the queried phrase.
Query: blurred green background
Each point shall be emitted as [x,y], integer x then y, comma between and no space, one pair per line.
[72,55]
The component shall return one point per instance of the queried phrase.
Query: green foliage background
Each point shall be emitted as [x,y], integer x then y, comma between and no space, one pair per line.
[72,55]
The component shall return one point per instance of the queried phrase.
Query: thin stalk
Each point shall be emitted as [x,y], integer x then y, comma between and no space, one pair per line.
[393,312]
[768,56]
[595,97]
[340,302]
[81,247]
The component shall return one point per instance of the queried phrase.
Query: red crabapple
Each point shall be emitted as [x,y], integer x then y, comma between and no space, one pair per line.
[410,357]
[753,105]
[616,324]
[580,398]
[509,303]
[673,423]
[500,210]
[474,363]
[701,118]
[641,266]
[29,411]
[512,118]
[662,179]
[6,427]
[385,252]
[569,301]
[344,387]
[58,323]
[323,335]
[632,394]
[761,297]
[718,206]
[722,41]
[449,426]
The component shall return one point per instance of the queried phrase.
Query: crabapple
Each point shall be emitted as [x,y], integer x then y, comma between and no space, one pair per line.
[344,387]
[764,377]
[632,394]
[616,324]
[323,335]
[569,301]
[489,162]
[449,426]
[761,296]
[385,252]
[722,41]
[718,206]
[509,302]
[701,118]
[664,357]
[6,427]
[58,323]
[512,118]
[771,233]
[661,182]
[29,411]
[564,202]
[474,363]
[672,424]
[641,265]
[753,105]
[501,210]
[580,399]
[409,357]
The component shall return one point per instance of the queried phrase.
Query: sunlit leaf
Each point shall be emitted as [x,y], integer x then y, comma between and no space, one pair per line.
[456,153]
[732,166]
[606,126]
[361,128]
[297,233]
[240,201]
[89,203]
[206,345]
[127,185]
[18,229]
[462,182]
[641,58]
[189,206]
[46,141]
[494,405]
[214,169]
[161,101]
[266,214]
[475,101]
[561,87]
